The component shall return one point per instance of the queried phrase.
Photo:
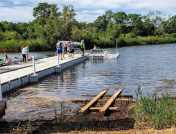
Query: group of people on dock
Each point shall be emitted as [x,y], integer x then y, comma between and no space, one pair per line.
[64,48]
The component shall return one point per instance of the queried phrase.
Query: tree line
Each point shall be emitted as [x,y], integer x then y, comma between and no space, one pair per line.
[52,24]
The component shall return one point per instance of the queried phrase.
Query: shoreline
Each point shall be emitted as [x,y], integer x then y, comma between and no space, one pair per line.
[122,43]
[121,122]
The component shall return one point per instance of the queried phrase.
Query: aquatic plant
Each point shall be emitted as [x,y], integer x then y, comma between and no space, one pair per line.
[157,112]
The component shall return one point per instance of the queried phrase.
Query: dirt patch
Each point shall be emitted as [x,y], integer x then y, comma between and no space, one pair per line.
[42,101]
[63,123]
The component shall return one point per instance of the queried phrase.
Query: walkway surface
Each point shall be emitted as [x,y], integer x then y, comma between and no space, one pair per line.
[22,70]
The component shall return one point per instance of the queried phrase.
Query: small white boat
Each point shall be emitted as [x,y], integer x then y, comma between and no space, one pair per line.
[110,56]
[100,54]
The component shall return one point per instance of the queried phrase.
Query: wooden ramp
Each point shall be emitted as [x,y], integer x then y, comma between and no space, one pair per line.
[111,100]
[107,106]
[93,101]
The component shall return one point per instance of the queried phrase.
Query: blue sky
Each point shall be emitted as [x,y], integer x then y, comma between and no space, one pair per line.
[87,10]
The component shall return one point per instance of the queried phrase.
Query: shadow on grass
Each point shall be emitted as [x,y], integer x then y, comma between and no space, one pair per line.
[53,126]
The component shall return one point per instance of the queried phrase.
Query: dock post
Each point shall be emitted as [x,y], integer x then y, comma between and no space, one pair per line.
[34,69]
[58,67]
[0,90]
[34,77]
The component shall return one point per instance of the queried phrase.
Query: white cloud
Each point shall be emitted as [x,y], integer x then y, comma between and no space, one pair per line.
[157,4]
[87,10]
[111,4]
[16,14]
[88,16]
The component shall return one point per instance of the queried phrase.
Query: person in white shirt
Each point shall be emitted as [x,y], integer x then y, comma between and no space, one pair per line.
[23,53]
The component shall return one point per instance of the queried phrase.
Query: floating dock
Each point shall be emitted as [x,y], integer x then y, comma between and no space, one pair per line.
[28,73]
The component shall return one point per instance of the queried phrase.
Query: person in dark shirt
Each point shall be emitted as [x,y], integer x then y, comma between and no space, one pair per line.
[72,47]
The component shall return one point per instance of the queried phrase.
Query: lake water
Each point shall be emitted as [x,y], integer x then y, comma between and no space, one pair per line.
[152,67]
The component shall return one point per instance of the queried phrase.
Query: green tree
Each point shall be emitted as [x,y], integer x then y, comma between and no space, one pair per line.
[68,19]
[101,23]
[135,23]
[148,26]
[171,25]
[42,10]
[120,17]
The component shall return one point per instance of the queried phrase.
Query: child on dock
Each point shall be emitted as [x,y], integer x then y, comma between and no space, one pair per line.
[72,47]
[65,50]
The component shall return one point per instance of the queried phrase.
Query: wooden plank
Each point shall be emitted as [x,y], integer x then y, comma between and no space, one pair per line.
[123,99]
[88,105]
[111,100]
[98,108]
[116,100]
[109,95]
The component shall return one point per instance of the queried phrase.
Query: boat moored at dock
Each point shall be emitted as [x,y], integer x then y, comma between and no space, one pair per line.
[100,54]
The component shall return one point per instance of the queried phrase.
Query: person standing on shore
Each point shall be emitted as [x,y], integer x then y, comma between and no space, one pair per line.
[82,46]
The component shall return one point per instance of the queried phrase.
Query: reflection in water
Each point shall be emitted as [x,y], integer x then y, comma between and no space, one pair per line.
[152,67]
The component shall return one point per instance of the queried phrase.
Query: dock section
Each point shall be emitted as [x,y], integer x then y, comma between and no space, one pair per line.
[43,67]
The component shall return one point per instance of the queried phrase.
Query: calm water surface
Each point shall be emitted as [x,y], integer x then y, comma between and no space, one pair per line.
[152,67]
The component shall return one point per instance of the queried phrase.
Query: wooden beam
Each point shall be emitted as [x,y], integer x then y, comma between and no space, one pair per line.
[88,105]
[118,99]
[109,95]
[111,100]
[98,108]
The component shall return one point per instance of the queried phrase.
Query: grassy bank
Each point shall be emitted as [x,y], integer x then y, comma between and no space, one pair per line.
[131,40]
[15,45]
[104,42]
[156,112]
